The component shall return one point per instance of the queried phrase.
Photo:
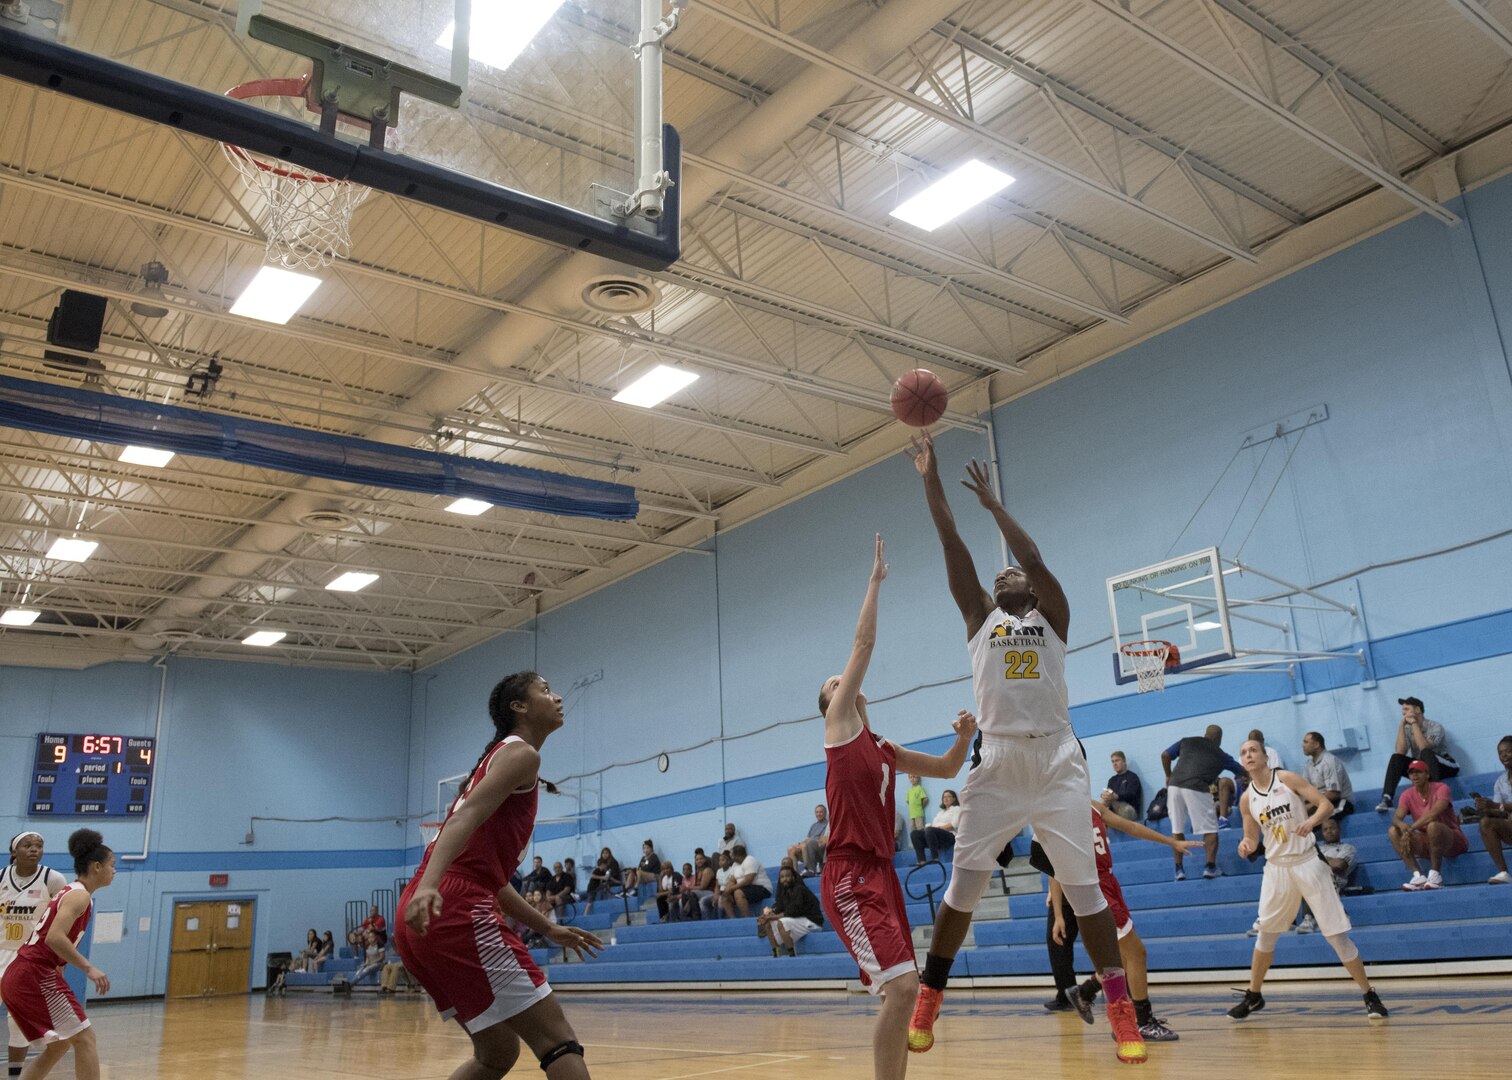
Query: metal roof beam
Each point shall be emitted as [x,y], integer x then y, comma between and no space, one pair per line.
[1279,113]
[1485,22]
[789,44]
[1300,52]
[1005,60]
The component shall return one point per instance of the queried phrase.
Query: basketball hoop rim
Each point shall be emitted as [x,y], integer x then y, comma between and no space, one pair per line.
[1154,647]
[294,87]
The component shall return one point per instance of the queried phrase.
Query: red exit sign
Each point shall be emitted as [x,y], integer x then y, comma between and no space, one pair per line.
[219,881]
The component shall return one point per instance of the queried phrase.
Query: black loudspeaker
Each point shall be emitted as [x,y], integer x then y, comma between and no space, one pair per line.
[75,324]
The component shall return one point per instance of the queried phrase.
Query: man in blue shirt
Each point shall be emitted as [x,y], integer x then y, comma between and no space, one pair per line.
[1189,786]
[1124,794]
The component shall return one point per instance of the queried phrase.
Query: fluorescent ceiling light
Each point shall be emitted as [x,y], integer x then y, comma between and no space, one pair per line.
[146,455]
[1207,626]
[952,195]
[275,295]
[264,638]
[18,616]
[656,386]
[71,549]
[470,507]
[501,29]
[351,581]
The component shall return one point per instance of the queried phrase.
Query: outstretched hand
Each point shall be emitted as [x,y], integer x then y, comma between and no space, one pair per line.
[965,725]
[879,567]
[1186,846]
[922,453]
[979,483]
[579,941]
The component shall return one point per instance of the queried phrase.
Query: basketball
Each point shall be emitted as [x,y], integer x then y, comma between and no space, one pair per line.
[919,398]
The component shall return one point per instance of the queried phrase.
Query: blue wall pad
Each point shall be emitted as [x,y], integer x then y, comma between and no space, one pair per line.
[85,414]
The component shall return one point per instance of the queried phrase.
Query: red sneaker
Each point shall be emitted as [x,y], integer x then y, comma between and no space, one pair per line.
[1131,1047]
[926,1011]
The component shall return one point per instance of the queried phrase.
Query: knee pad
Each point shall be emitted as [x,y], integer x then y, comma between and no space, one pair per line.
[571,1046]
[1265,941]
[1085,899]
[1344,946]
[965,890]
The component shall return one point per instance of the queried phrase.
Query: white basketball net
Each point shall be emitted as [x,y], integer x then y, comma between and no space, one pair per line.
[430,830]
[1148,659]
[308,218]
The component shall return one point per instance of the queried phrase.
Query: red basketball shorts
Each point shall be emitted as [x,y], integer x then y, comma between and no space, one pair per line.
[863,901]
[1113,894]
[40,1002]
[474,966]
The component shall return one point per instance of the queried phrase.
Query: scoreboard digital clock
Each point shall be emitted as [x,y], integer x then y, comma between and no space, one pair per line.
[108,775]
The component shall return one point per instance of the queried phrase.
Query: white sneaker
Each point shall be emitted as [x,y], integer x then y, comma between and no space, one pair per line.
[1502,878]
[1308,925]
[1418,882]
[1435,880]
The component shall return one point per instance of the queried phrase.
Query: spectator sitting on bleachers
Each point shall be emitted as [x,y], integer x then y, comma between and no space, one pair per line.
[698,887]
[303,958]
[1495,823]
[918,799]
[1327,773]
[375,956]
[1198,760]
[795,911]
[539,878]
[939,835]
[731,838]
[606,874]
[1417,739]
[1340,858]
[563,887]
[327,950]
[713,906]
[1434,832]
[808,853]
[747,884]
[644,872]
[357,938]
[1124,794]
[668,885]
[393,971]
[678,903]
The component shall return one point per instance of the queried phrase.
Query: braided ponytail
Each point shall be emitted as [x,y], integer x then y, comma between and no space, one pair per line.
[510,689]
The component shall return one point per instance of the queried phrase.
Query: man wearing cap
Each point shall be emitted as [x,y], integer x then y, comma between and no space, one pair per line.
[1418,739]
[26,887]
[1434,832]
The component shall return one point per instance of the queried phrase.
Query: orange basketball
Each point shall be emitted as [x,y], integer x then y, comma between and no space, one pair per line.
[919,398]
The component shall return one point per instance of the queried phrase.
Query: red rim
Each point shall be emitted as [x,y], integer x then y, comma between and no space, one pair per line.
[285,88]
[1145,648]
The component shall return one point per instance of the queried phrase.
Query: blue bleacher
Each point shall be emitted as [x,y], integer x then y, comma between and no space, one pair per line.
[1195,924]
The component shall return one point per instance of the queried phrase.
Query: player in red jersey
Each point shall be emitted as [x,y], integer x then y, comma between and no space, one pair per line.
[862,896]
[1131,947]
[454,939]
[35,995]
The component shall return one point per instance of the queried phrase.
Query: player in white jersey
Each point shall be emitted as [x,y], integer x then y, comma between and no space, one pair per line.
[26,887]
[1273,811]
[1029,769]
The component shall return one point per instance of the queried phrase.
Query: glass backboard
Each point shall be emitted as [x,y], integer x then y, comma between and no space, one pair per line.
[1181,601]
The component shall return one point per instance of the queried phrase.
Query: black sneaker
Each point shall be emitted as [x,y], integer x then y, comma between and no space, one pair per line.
[1090,988]
[1252,1002]
[1082,1006]
[1058,1004]
[1373,1007]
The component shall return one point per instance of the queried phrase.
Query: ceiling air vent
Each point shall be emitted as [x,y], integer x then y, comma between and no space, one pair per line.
[174,635]
[620,295]
[327,520]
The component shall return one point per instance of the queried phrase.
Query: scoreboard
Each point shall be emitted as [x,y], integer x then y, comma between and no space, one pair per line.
[108,775]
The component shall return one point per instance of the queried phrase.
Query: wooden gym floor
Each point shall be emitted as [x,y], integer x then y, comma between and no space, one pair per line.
[1450,1029]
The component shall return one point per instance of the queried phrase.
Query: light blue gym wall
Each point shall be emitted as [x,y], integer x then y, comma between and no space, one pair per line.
[1397,336]
[237,740]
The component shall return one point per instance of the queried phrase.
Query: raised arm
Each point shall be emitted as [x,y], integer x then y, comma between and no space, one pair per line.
[972,600]
[1049,597]
[946,765]
[841,720]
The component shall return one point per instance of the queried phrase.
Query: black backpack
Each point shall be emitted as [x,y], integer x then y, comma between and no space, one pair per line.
[1157,808]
